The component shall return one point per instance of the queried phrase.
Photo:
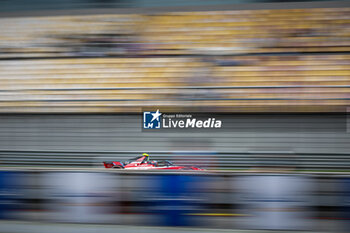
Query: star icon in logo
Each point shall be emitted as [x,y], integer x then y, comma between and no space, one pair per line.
[156,115]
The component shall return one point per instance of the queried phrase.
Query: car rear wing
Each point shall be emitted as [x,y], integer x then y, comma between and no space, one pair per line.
[113,164]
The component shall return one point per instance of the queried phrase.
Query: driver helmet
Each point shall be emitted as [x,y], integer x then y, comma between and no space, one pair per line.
[146,159]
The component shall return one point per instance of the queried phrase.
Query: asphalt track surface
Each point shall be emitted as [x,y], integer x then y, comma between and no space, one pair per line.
[40,227]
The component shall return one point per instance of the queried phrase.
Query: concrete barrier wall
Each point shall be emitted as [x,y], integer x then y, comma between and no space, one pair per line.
[221,200]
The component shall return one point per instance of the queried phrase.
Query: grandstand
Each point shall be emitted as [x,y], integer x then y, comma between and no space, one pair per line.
[293,60]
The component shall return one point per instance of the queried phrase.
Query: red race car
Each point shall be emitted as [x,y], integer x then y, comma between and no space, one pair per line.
[143,163]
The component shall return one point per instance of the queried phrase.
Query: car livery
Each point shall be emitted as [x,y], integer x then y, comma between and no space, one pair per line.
[144,163]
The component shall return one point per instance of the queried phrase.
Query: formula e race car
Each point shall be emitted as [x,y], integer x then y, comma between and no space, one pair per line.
[143,163]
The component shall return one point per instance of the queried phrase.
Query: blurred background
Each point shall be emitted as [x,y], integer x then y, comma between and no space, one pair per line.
[76,75]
